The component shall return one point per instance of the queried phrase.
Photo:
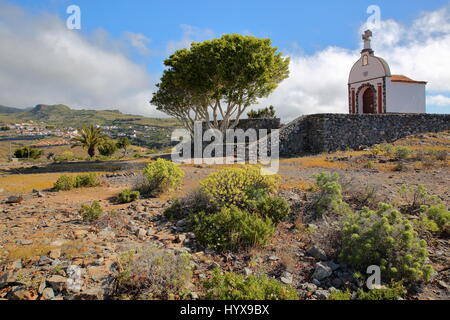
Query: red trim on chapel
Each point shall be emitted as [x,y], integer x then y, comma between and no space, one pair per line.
[353,102]
[380,98]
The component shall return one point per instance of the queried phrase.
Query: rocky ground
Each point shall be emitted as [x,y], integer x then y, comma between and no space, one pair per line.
[48,252]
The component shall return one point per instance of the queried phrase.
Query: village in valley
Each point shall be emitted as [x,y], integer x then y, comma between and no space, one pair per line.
[94,205]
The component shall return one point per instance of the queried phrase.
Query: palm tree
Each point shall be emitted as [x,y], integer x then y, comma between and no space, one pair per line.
[90,138]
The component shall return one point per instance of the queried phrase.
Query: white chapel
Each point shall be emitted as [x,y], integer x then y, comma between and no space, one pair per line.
[373,89]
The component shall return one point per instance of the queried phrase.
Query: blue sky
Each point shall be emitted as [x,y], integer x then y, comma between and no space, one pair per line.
[306,30]
[291,24]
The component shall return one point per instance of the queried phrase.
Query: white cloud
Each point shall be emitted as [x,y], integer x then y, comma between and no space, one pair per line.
[41,61]
[139,42]
[190,34]
[439,100]
[318,82]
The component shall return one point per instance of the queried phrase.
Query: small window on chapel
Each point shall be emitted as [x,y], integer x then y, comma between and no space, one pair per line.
[365,60]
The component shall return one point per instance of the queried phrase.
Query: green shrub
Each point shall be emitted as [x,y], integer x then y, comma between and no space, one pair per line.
[274,208]
[402,152]
[86,181]
[163,175]
[340,295]
[107,148]
[91,213]
[387,239]
[127,196]
[417,197]
[154,273]
[369,165]
[266,113]
[329,199]
[388,150]
[64,183]
[232,286]
[393,292]
[27,152]
[238,186]
[232,229]
[376,150]
[436,218]
[195,202]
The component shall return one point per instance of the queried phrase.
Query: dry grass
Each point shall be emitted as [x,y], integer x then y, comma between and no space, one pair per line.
[287,258]
[70,249]
[297,184]
[27,252]
[23,183]
[314,162]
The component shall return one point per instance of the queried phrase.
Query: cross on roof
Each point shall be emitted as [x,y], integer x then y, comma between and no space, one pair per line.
[367,38]
[367,35]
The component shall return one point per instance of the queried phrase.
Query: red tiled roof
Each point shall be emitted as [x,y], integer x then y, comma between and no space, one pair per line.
[401,78]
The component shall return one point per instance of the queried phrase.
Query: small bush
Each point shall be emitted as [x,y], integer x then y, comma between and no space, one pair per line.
[232,286]
[195,202]
[163,175]
[329,199]
[231,229]
[340,295]
[393,292]
[127,196]
[274,208]
[376,150]
[27,152]
[107,148]
[238,186]
[64,183]
[436,218]
[388,150]
[154,273]
[416,197]
[369,165]
[402,153]
[91,213]
[385,238]
[86,181]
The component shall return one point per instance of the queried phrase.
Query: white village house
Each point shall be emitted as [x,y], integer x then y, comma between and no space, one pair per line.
[373,89]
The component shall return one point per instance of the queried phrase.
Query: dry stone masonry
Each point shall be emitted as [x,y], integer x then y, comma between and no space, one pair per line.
[330,132]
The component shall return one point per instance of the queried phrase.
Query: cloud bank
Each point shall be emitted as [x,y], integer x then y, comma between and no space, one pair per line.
[41,61]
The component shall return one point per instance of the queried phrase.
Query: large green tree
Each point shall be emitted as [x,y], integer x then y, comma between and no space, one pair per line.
[219,79]
[90,138]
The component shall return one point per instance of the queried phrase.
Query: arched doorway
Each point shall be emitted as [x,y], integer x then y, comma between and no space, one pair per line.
[369,101]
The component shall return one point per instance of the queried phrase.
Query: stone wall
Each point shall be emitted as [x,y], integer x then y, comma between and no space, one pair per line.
[256,124]
[330,132]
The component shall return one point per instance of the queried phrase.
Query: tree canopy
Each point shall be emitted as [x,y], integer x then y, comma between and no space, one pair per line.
[219,79]
[266,113]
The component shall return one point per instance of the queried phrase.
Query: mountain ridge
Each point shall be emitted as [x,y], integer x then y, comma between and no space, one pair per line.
[62,115]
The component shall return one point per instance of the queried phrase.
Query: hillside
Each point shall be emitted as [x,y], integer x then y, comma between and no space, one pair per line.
[63,116]
[9,110]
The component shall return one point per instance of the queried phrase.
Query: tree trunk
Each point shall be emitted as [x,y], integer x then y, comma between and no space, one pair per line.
[91,151]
